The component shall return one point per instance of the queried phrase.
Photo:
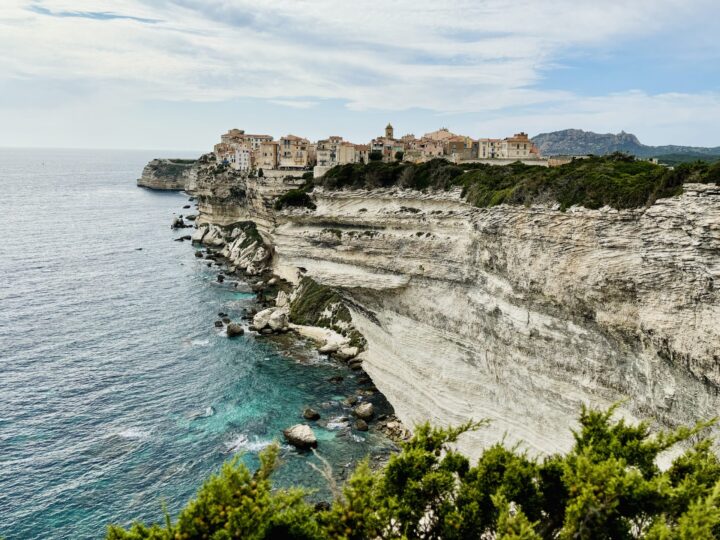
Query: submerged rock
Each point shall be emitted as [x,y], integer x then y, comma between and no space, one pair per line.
[311,414]
[361,425]
[218,324]
[198,254]
[235,329]
[301,436]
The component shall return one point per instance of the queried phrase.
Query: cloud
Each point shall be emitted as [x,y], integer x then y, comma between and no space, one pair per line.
[493,58]
[96,15]
[294,103]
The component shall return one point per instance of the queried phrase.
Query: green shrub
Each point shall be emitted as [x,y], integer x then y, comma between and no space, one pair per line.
[617,180]
[606,487]
[297,197]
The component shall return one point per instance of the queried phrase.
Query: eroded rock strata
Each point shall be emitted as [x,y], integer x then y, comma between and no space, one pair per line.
[169,174]
[516,314]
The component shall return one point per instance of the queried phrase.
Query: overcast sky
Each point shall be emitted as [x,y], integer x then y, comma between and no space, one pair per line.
[174,74]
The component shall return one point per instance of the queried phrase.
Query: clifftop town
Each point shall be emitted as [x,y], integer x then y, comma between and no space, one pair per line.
[250,152]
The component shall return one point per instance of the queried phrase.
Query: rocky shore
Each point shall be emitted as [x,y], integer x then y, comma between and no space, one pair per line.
[239,253]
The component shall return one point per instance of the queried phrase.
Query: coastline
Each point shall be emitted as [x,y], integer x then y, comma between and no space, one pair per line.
[244,257]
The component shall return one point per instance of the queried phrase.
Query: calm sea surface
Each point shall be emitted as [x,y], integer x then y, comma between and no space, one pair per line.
[116,391]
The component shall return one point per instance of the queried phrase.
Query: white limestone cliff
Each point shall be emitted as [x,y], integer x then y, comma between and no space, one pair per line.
[169,174]
[510,313]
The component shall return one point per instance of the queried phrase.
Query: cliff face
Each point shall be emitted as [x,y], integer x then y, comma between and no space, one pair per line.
[510,313]
[169,174]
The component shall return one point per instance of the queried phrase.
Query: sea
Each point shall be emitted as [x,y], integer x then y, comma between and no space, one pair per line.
[118,395]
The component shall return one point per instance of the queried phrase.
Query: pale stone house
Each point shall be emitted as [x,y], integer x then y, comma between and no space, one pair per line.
[293,152]
[266,155]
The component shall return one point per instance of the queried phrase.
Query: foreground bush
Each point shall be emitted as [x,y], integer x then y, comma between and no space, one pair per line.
[607,487]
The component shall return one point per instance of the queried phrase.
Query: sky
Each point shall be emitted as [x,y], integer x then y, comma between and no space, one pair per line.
[175,74]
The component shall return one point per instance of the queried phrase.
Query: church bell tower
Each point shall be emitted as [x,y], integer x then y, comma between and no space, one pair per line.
[389,131]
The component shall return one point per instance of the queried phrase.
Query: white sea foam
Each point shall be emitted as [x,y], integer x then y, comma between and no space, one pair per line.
[243,444]
[339,422]
[134,433]
[200,342]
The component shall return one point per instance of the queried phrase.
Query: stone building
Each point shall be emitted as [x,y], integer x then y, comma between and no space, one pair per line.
[293,152]
[519,146]
[266,156]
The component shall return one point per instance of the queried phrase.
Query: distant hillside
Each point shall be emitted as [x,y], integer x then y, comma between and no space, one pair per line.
[579,142]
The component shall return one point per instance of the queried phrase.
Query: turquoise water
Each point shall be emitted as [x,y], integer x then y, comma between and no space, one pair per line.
[116,390]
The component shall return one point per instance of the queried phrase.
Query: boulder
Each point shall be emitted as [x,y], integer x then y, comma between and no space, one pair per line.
[262,319]
[311,414]
[177,223]
[191,217]
[198,235]
[329,347]
[364,411]
[278,321]
[186,206]
[361,425]
[346,353]
[235,329]
[282,300]
[220,278]
[350,400]
[226,320]
[300,436]
[355,364]
[218,324]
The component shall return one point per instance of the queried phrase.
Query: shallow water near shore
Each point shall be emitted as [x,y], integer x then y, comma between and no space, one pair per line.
[116,391]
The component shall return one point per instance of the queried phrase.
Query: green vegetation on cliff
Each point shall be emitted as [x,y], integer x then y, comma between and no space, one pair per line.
[298,198]
[607,487]
[173,168]
[318,305]
[618,180]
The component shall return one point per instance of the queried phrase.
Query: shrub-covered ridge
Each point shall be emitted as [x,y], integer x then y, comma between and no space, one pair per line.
[618,180]
[606,487]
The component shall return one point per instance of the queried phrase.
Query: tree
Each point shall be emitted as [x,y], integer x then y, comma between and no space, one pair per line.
[399,155]
[375,155]
[607,486]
